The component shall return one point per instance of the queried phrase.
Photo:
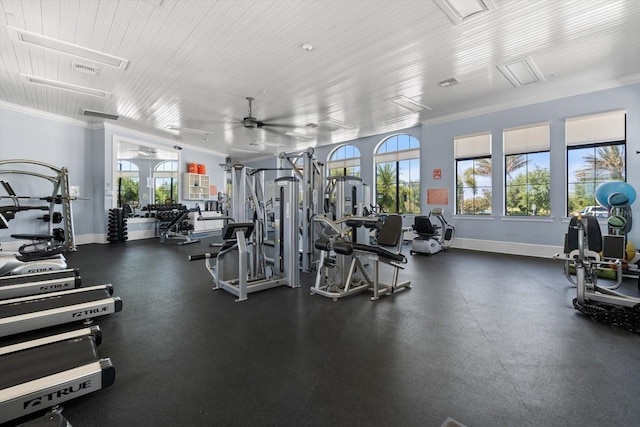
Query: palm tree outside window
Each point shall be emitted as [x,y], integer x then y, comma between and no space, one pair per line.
[596,153]
[473,174]
[397,166]
[527,165]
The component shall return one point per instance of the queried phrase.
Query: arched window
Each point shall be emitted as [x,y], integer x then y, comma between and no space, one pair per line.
[397,163]
[344,161]
[128,183]
[165,182]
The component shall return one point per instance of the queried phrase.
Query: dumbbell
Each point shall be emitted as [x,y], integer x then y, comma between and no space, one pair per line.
[57,218]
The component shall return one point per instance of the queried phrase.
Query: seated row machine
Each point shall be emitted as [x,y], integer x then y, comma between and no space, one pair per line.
[341,271]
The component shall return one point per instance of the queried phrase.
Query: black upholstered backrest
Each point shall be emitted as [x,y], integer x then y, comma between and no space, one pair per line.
[391,231]
[423,225]
[592,237]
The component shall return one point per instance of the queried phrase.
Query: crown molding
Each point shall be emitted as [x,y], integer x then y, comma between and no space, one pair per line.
[126,132]
[581,90]
[43,114]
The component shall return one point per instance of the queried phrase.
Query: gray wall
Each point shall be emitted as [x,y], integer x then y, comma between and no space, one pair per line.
[88,155]
[437,153]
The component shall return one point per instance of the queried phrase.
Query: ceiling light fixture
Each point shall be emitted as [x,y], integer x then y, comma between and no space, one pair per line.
[409,104]
[521,73]
[189,130]
[69,48]
[267,144]
[55,84]
[306,46]
[298,135]
[241,150]
[337,124]
[461,10]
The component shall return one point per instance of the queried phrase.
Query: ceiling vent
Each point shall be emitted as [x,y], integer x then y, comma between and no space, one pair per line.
[521,73]
[461,10]
[84,68]
[99,114]
[448,82]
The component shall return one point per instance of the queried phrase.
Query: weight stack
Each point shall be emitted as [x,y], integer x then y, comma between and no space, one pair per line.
[117,226]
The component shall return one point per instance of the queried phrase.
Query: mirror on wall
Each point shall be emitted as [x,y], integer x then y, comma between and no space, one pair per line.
[144,175]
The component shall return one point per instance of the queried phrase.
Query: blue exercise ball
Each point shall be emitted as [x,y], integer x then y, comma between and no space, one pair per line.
[607,189]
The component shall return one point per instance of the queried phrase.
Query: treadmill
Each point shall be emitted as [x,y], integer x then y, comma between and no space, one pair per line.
[20,285]
[46,372]
[40,311]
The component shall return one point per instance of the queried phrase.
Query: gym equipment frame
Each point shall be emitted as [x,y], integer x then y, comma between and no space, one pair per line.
[48,371]
[583,243]
[334,281]
[60,193]
[241,265]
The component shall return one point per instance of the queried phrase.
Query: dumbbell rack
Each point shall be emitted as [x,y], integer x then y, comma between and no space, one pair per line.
[117,226]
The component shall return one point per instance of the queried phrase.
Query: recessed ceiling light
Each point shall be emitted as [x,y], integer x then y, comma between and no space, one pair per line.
[448,82]
[189,130]
[521,73]
[306,46]
[461,10]
[409,104]
[55,84]
[69,48]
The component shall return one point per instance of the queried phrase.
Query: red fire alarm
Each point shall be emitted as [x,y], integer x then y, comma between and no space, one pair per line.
[437,173]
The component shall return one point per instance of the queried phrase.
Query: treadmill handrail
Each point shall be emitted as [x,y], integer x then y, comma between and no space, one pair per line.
[106,286]
[78,333]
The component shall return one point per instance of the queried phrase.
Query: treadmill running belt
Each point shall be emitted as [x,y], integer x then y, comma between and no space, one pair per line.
[33,363]
[47,303]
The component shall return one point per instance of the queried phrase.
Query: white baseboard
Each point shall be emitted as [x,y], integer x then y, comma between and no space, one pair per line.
[494,246]
[524,249]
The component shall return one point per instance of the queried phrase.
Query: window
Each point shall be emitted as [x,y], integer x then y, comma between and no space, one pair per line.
[397,163]
[128,183]
[166,182]
[596,153]
[344,161]
[527,171]
[473,174]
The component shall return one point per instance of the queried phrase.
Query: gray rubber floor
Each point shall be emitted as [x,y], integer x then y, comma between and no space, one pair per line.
[485,339]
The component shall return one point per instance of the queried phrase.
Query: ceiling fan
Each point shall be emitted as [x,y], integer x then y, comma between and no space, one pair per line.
[251,122]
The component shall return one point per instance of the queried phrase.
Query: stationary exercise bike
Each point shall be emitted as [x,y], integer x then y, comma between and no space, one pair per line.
[432,238]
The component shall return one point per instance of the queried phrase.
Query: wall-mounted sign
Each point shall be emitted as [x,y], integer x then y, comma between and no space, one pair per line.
[438,196]
[437,173]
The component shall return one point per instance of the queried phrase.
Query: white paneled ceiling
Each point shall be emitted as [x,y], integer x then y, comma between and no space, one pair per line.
[192,64]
